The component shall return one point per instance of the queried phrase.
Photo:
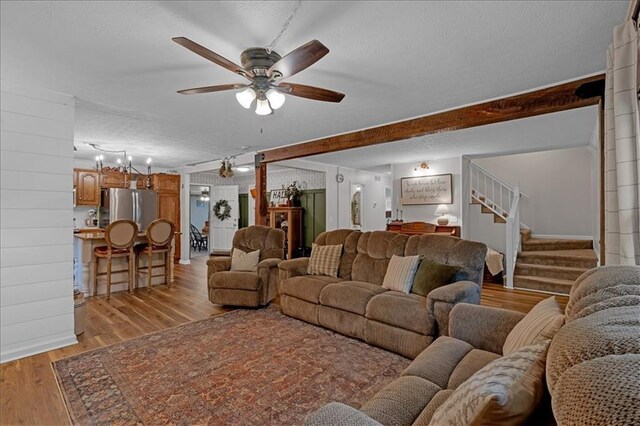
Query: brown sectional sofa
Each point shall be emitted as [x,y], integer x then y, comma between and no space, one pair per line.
[356,304]
[592,368]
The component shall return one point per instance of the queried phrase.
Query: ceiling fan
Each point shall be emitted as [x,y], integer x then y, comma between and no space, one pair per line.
[265,70]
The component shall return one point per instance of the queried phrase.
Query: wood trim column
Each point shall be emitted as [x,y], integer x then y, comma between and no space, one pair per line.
[603,219]
[261,190]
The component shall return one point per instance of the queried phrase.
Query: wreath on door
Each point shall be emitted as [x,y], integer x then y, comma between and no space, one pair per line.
[222,209]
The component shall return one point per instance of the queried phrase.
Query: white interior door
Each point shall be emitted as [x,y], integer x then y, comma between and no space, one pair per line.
[221,231]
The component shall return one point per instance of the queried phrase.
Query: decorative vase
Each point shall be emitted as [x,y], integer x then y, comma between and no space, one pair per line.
[297,202]
[443,220]
[288,202]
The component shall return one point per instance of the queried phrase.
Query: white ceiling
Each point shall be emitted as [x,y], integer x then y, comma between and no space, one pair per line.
[565,129]
[393,60]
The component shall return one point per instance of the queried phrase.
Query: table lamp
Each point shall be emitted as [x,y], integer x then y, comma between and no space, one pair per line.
[441,211]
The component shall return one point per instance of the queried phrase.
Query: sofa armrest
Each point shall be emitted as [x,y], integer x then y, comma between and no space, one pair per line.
[441,300]
[483,327]
[293,267]
[218,264]
[336,413]
[269,263]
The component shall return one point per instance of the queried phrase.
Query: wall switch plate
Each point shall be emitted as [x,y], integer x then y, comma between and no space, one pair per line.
[453,219]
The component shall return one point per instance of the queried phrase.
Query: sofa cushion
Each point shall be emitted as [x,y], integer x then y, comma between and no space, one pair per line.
[469,365]
[431,275]
[306,287]
[408,311]
[401,401]
[438,360]
[467,255]
[349,240]
[374,251]
[235,280]
[324,260]
[438,399]
[400,273]
[351,296]
[245,261]
[507,389]
[542,322]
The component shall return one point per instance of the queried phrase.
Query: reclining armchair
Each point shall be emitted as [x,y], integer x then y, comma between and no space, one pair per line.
[248,289]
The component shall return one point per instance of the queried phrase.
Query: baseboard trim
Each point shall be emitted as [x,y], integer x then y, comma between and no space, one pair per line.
[561,237]
[37,348]
[184,261]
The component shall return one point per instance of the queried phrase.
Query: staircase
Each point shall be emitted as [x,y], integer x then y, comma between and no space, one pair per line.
[547,265]
[551,265]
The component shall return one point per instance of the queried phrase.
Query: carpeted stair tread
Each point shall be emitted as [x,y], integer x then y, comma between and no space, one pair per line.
[552,285]
[538,244]
[549,271]
[584,258]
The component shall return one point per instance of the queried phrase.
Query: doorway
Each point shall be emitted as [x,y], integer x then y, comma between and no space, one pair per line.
[199,200]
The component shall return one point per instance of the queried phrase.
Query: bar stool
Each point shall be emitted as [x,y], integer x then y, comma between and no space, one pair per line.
[120,237]
[159,235]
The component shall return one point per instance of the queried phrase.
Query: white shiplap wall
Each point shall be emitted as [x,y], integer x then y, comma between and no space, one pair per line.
[36,221]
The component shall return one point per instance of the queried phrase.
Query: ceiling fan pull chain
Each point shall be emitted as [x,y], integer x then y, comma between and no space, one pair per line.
[270,47]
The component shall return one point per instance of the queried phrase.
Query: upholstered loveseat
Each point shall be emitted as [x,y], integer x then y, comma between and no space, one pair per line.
[592,365]
[355,304]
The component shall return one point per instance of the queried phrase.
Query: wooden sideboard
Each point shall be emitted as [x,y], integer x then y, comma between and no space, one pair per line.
[417,228]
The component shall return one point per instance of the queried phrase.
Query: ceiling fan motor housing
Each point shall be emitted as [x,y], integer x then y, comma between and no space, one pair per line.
[258,60]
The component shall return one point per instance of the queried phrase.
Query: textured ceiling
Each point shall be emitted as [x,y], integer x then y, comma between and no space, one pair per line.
[393,60]
[565,129]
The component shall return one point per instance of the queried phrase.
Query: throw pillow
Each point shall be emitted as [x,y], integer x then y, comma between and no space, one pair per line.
[242,261]
[400,273]
[542,322]
[325,260]
[431,275]
[505,391]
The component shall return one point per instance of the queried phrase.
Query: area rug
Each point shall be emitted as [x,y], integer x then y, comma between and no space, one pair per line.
[246,367]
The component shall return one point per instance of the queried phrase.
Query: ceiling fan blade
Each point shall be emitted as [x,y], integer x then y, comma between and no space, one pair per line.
[209,89]
[298,59]
[212,56]
[311,92]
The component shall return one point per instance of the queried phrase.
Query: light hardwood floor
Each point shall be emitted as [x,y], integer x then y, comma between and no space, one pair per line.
[29,392]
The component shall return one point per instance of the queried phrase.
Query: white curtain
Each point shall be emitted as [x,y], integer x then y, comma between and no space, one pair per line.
[622,147]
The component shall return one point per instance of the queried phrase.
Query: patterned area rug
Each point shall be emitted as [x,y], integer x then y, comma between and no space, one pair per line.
[240,368]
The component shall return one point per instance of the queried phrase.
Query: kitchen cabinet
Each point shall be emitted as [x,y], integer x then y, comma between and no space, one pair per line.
[163,182]
[168,189]
[113,179]
[87,187]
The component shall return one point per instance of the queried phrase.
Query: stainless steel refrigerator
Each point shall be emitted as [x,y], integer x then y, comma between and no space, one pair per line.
[138,205]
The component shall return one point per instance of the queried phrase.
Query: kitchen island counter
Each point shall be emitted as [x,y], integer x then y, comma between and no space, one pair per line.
[84,270]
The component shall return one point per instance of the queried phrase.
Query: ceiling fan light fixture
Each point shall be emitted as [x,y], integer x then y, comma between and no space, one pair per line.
[262,107]
[246,97]
[276,99]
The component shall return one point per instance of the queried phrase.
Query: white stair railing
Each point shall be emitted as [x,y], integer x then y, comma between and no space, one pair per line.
[503,200]
[513,236]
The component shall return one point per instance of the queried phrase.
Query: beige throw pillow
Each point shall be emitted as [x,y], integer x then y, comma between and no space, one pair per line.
[542,322]
[400,273]
[325,260]
[505,391]
[242,261]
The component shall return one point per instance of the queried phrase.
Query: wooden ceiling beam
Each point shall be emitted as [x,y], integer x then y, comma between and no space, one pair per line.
[575,94]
